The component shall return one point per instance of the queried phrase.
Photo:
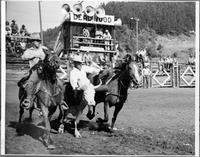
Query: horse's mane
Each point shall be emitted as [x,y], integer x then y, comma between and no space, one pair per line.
[47,68]
[122,66]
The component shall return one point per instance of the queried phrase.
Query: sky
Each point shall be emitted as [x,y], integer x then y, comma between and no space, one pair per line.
[27,13]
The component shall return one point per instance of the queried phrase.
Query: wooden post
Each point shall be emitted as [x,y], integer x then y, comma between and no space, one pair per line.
[150,82]
[178,74]
[41,32]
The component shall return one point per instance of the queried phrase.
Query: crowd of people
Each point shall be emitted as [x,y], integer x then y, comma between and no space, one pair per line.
[99,34]
[13,46]
[166,63]
[13,29]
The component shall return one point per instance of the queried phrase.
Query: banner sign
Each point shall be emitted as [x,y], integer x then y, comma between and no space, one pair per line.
[83,18]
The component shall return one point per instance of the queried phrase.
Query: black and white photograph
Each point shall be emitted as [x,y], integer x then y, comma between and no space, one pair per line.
[103,77]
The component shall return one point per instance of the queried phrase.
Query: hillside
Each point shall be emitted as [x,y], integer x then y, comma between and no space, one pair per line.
[163,17]
[163,27]
[182,45]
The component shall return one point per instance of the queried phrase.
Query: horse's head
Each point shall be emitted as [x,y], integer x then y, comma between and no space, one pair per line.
[133,69]
[52,61]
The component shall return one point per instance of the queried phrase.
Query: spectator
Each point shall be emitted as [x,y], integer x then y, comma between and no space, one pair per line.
[174,61]
[8,29]
[107,37]
[23,31]
[146,73]
[86,32]
[191,60]
[99,34]
[170,62]
[14,28]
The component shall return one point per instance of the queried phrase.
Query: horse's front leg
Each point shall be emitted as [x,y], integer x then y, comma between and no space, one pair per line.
[46,137]
[76,132]
[61,119]
[21,112]
[105,120]
[30,113]
[106,106]
[118,107]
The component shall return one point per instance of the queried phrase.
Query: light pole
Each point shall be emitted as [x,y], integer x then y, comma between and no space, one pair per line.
[137,20]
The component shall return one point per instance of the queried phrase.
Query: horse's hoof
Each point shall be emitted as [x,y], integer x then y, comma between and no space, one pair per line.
[61,129]
[77,135]
[51,147]
[109,129]
[90,116]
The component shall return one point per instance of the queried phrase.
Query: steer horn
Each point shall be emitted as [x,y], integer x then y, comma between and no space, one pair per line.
[97,86]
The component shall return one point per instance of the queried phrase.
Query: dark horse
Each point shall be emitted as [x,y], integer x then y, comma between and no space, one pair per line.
[45,94]
[117,86]
[76,102]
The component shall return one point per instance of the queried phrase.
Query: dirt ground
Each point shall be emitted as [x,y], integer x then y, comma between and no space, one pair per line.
[156,121]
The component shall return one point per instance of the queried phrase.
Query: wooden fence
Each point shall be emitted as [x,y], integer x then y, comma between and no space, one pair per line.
[177,75]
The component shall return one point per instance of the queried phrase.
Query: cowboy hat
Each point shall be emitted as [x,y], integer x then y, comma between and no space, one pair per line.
[77,58]
[35,37]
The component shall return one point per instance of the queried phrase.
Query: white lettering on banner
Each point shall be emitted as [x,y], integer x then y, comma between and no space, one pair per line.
[83,18]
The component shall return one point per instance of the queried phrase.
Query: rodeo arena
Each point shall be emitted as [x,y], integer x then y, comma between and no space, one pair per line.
[85,97]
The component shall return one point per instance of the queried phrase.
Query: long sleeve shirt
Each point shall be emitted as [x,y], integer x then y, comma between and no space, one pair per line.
[78,78]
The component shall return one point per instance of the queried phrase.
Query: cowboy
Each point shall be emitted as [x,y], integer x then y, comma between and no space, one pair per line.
[14,28]
[23,31]
[8,29]
[33,55]
[79,80]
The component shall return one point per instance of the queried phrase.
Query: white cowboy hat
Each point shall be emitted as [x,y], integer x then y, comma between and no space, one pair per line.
[77,58]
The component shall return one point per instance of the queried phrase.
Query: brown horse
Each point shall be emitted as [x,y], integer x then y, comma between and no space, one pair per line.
[117,92]
[44,94]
